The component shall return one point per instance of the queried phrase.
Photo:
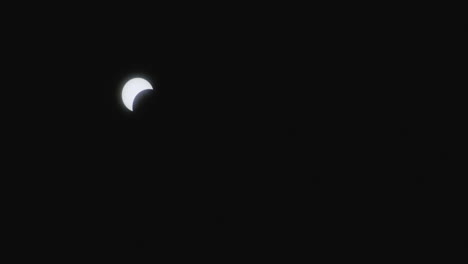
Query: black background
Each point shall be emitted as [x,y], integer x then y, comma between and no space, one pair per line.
[259,123]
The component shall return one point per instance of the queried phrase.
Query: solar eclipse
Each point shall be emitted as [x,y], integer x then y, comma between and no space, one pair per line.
[131,89]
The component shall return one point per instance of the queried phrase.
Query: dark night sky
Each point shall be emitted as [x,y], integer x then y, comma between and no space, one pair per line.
[248,126]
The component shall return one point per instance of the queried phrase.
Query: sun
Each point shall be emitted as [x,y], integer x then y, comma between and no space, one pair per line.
[132,88]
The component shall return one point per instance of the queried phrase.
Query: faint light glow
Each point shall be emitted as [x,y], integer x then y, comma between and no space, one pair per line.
[132,88]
